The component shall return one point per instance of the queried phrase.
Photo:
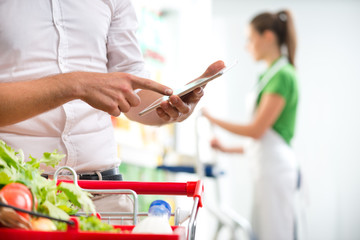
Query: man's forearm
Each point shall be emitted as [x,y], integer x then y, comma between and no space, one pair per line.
[22,100]
[109,92]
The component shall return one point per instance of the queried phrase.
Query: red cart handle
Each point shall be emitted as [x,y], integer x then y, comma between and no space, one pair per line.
[190,189]
[195,189]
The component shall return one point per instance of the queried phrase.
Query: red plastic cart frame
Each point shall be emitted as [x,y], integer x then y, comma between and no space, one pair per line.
[193,189]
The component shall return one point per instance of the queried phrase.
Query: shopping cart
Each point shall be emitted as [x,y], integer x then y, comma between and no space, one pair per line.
[192,189]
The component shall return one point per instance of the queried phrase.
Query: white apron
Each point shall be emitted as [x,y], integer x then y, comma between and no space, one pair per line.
[275,177]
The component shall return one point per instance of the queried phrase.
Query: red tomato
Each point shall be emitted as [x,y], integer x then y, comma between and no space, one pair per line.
[18,195]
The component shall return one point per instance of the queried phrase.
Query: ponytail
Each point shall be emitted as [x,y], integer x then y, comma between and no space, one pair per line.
[282,25]
[290,36]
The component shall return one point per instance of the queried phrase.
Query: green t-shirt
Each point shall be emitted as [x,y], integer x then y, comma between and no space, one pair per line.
[284,83]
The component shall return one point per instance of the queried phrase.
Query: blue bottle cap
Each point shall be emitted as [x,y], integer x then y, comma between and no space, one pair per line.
[162,208]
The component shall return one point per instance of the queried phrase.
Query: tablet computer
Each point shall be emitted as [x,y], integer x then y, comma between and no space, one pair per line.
[186,89]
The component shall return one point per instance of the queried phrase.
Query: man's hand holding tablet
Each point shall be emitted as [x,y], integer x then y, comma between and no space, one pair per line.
[214,71]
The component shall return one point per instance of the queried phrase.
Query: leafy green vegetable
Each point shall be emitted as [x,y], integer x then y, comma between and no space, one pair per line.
[77,196]
[14,168]
[92,223]
[63,203]
[54,211]
[9,157]
[50,159]
[57,201]
[5,176]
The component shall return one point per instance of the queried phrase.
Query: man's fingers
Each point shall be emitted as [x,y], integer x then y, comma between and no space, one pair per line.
[143,83]
[170,110]
[196,95]
[161,113]
[179,104]
[133,99]
[124,106]
[213,68]
[115,112]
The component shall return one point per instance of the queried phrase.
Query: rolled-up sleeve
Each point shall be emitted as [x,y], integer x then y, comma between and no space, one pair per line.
[123,50]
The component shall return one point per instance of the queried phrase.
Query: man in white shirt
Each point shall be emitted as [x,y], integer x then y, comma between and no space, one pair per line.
[63,61]
[65,67]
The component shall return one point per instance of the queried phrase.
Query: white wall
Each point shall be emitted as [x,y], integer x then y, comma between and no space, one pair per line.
[327,138]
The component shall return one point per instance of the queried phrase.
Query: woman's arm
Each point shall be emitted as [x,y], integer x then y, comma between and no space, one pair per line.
[215,144]
[270,108]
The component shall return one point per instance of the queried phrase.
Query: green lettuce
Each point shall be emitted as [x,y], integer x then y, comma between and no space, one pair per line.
[58,201]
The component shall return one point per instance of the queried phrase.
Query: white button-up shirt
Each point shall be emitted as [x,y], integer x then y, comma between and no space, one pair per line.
[44,37]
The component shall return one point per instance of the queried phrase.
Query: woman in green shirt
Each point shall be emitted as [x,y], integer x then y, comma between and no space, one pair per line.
[272,126]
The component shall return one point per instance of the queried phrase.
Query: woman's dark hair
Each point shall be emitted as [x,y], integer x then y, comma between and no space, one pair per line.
[282,25]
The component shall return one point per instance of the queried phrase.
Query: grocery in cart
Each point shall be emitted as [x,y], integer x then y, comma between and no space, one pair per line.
[192,189]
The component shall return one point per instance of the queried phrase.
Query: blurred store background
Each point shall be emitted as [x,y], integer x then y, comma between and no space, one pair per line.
[179,39]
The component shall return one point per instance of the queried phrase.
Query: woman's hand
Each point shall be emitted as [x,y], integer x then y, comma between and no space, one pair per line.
[177,109]
[215,144]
